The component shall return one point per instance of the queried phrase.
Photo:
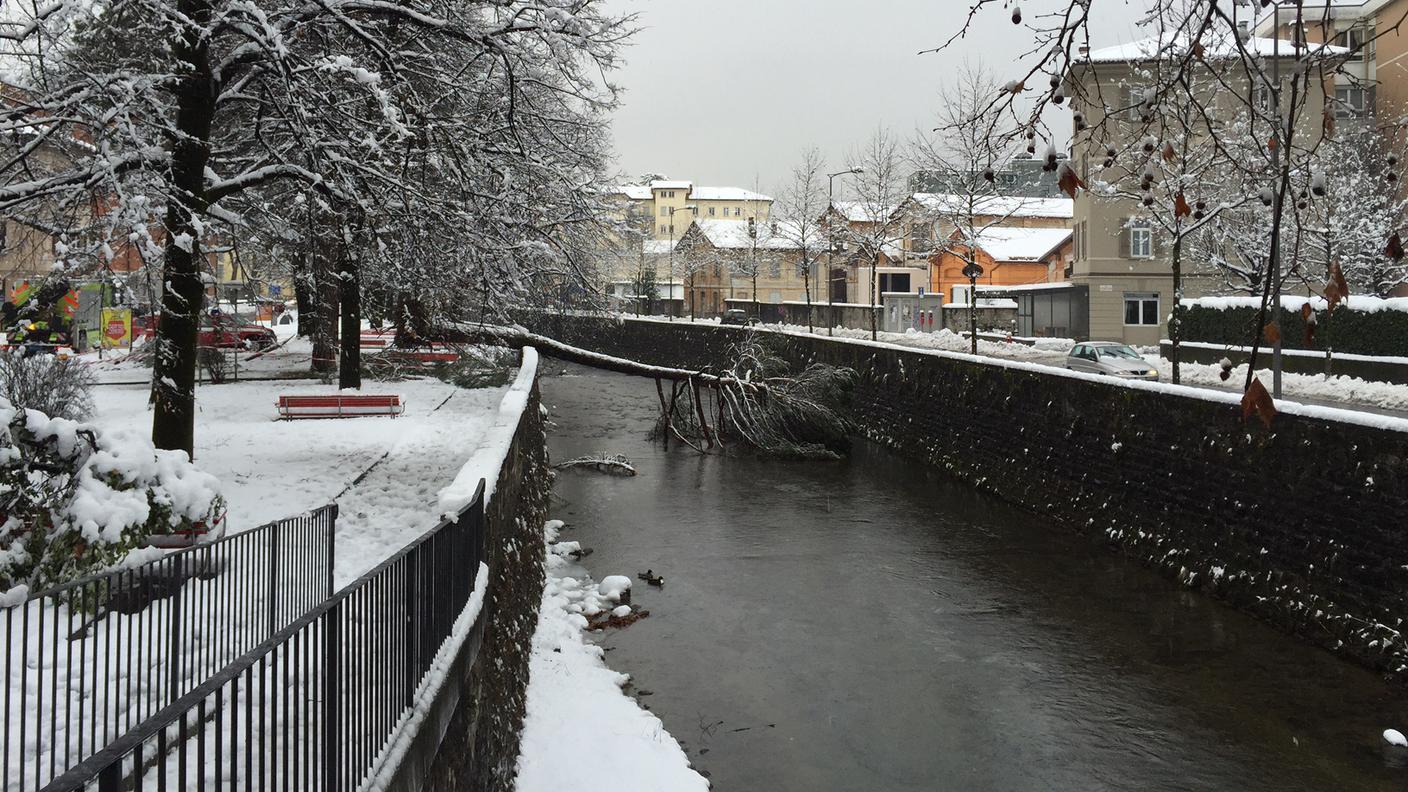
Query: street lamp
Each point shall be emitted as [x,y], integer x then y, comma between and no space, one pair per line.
[673,209]
[831,237]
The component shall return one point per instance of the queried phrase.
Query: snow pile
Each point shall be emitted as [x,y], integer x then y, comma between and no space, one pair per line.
[1395,737]
[83,498]
[613,586]
[581,731]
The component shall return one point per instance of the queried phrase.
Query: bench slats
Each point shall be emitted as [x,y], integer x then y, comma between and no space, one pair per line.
[340,406]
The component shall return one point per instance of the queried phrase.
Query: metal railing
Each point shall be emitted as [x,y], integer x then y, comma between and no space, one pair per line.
[88,661]
[325,702]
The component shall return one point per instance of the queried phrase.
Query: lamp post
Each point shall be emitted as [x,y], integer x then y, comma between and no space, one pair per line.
[673,209]
[831,239]
[972,272]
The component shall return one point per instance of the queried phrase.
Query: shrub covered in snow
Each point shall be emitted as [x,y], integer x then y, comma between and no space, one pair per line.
[61,388]
[74,500]
[1362,326]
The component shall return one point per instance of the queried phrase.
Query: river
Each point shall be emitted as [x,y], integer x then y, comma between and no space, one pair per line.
[875,625]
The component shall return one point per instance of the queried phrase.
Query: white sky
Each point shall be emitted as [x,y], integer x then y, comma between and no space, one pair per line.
[726,92]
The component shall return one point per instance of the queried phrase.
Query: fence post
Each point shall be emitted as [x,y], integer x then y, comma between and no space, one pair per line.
[273,595]
[332,544]
[332,704]
[174,647]
[412,595]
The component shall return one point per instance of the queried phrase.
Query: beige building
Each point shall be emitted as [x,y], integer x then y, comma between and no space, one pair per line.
[719,260]
[1372,82]
[1118,254]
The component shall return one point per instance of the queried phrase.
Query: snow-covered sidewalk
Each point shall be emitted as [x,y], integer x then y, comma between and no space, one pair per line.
[581,730]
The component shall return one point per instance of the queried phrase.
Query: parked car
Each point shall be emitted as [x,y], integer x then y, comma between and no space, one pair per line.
[1111,358]
[735,316]
[222,331]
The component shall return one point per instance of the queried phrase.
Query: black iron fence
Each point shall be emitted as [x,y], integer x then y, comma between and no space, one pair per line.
[88,661]
[324,703]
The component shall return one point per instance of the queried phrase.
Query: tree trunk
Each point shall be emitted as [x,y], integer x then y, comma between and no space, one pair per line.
[1175,320]
[303,297]
[174,375]
[325,293]
[349,369]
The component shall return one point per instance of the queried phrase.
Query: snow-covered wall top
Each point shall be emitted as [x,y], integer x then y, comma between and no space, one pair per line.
[486,462]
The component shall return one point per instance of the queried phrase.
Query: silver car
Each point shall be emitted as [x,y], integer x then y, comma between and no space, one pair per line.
[1111,358]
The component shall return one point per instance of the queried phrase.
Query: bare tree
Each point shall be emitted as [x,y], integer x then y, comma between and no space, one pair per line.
[966,157]
[803,203]
[879,187]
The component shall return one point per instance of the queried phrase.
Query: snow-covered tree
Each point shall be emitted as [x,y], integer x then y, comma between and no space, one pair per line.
[452,145]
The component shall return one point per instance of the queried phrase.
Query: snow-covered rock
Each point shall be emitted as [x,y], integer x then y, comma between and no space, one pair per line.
[1395,737]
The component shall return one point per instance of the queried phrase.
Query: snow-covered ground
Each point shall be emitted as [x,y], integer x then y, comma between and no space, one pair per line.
[1345,390]
[582,731]
[412,469]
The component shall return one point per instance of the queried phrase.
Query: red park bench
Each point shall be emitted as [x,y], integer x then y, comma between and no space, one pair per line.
[340,406]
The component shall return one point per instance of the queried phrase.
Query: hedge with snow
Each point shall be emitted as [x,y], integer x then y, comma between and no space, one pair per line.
[1360,325]
[75,500]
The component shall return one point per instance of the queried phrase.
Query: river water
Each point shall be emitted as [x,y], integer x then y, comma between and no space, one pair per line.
[874,625]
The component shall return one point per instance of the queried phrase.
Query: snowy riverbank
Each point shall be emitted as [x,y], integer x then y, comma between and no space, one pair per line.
[582,731]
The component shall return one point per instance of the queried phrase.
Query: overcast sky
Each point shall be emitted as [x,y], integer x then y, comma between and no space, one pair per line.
[729,92]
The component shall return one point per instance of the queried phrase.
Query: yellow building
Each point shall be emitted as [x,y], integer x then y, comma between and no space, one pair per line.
[658,205]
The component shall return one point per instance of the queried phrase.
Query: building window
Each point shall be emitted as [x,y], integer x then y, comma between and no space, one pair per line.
[921,237]
[711,211]
[4,231]
[1141,240]
[1353,102]
[1141,309]
[737,211]
[664,228]
[1358,39]
[664,211]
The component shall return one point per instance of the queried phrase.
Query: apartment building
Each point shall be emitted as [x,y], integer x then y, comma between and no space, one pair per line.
[655,207]
[1371,82]
[1119,257]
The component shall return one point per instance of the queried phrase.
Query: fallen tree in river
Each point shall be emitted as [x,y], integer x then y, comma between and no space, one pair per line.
[755,402]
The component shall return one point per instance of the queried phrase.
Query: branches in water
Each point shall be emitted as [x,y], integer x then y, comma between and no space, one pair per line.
[758,403]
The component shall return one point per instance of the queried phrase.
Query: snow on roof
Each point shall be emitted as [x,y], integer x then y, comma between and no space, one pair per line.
[862,212]
[998,205]
[659,247]
[636,192]
[643,192]
[1025,287]
[733,234]
[1021,244]
[726,194]
[1216,46]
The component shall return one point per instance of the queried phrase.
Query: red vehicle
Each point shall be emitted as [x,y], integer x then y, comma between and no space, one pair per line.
[225,332]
